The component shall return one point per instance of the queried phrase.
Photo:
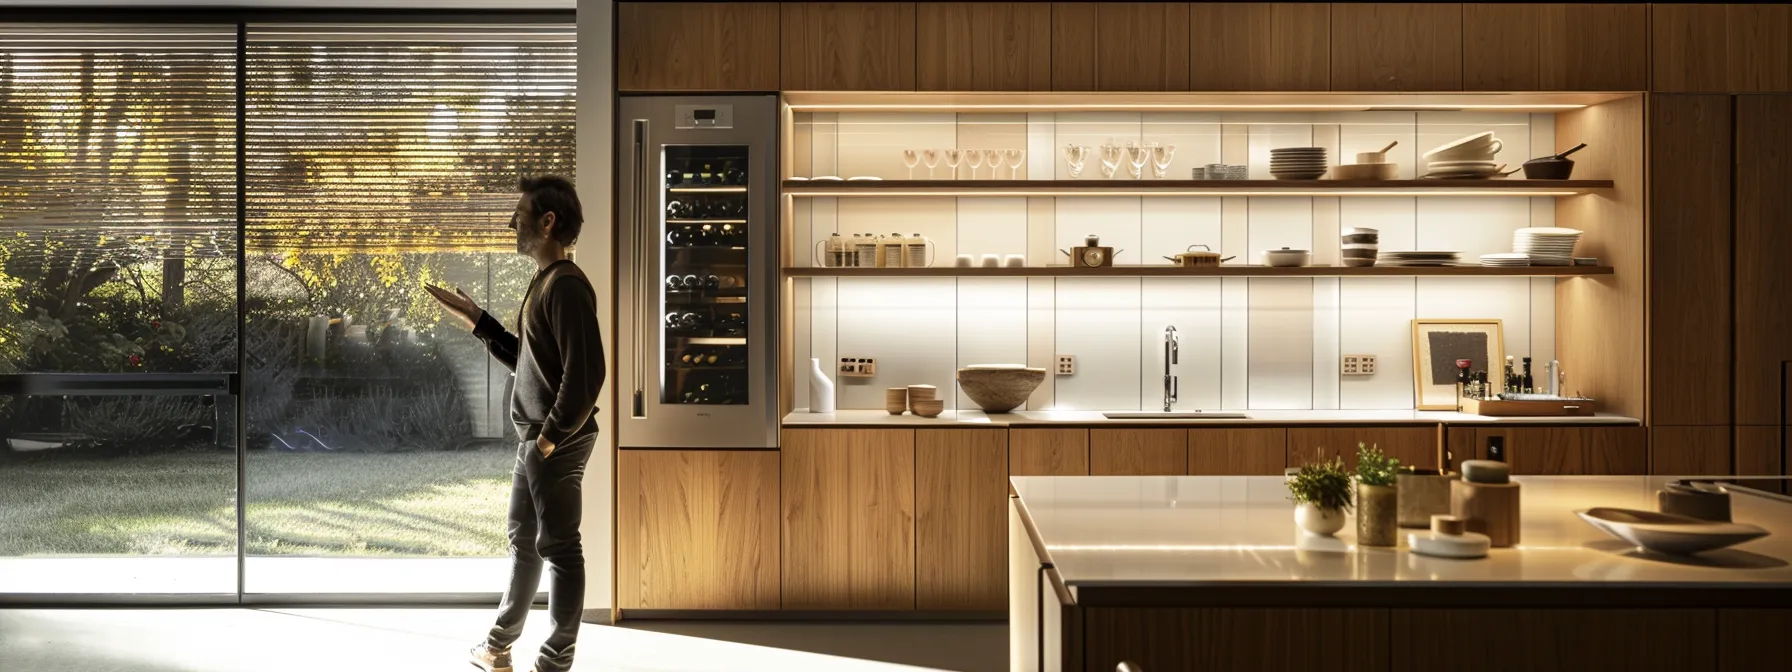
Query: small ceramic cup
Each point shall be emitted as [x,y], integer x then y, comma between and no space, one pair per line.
[992,260]
[964,261]
[1014,260]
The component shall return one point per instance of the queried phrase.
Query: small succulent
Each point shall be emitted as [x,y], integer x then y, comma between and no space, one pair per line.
[1373,467]
[1323,484]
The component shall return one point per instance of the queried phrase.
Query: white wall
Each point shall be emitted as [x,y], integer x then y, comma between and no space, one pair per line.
[596,138]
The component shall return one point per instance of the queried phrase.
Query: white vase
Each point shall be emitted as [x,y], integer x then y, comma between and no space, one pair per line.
[1323,522]
[821,390]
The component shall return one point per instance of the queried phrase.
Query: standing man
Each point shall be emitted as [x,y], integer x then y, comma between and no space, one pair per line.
[558,357]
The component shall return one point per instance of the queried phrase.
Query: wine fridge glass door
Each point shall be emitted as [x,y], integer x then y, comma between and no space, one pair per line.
[706,255]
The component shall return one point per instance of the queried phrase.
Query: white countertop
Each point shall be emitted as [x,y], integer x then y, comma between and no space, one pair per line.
[1208,530]
[848,418]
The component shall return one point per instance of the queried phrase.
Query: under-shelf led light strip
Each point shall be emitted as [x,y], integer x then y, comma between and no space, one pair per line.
[1176,107]
[817,193]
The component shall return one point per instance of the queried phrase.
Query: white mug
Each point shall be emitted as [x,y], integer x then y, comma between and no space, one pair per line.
[992,260]
[963,261]
[1014,260]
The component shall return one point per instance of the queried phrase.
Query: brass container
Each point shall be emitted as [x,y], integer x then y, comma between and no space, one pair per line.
[1423,496]
[1377,515]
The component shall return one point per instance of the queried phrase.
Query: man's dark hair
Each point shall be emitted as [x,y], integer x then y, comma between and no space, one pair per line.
[555,194]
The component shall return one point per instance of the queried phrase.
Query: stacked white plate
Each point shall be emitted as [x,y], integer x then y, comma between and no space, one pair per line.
[1506,259]
[1462,169]
[1546,245]
[1466,157]
[1297,163]
[1419,258]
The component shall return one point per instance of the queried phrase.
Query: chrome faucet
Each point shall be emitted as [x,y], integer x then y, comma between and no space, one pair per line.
[1172,347]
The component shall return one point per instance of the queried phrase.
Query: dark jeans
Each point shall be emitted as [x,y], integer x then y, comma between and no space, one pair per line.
[545,508]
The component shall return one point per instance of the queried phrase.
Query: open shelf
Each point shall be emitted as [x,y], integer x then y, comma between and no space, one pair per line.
[1001,188]
[1220,272]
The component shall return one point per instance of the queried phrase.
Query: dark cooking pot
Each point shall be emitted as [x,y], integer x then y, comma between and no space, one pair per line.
[1553,167]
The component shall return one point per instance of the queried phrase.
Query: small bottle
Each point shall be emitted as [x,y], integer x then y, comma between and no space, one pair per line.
[1528,385]
[889,251]
[864,250]
[1461,381]
[915,251]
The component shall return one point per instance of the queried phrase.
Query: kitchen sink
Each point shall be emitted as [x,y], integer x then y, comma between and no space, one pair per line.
[1173,415]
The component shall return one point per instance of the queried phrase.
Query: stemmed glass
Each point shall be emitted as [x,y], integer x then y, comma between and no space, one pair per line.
[1161,155]
[975,158]
[932,158]
[1015,156]
[953,158]
[910,158]
[993,157]
[1111,154]
[1075,156]
[1136,156]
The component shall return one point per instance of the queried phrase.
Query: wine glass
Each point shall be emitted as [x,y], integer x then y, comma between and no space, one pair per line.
[974,157]
[1111,155]
[932,158]
[910,158]
[993,157]
[1015,157]
[953,158]
[1161,155]
[1074,158]
[1136,156]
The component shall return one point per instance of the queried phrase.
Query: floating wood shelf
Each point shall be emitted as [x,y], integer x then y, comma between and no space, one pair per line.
[1179,272]
[1000,188]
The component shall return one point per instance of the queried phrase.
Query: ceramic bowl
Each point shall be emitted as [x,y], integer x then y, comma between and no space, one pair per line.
[1284,258]
[999,388]
[929,408]
[1668,533]
[1365,171]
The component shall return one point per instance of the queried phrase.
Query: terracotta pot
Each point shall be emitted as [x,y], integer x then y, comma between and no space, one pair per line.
[1323,522]
[1377,515]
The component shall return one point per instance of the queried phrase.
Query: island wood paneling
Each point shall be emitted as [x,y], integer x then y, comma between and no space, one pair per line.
[697,46]
[1758,451]
[1687,48]
[1571,451]
[847,46]
[1381,46]
[882,527]
[816,513]
[1690,451]
[1414,446]
[983,46]
[1279,640]
[1141,46]
[1237,452]
[1540,640]
[1048,452]
[1752,639]
[697,529]
[1763,247]
[1689,260]
[1073,46]
[1260,46]
[1601,322]
[1138,452]
[1500,47]
[961,495]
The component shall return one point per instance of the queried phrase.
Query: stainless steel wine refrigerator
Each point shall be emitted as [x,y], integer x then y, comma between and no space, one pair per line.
[698,222]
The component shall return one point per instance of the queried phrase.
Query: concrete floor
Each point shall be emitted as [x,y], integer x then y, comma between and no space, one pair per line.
[401,640]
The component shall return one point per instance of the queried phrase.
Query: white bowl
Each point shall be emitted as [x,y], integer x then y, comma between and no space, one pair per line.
[1669,533]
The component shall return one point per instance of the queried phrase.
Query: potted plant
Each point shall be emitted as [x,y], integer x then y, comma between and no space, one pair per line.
[1321,493]
[1377,500]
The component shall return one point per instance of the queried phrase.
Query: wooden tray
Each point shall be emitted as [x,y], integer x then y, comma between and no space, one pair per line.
[1502,408]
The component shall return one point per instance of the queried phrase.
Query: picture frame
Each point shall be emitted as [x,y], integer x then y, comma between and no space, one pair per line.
[1437,344]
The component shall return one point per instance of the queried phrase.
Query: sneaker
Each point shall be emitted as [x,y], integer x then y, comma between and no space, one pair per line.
[490,660]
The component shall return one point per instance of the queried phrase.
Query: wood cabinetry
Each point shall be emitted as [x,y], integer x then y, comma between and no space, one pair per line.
[697,529]
[983,46]
[1382,46]
[1129,46]
[697,46]
[1260,46]
[1689,260]
[847,46]
[1237,452]
[1763,243]
[961,499]
[1554,639]
[1559,451]
[1555,47]
[1345,640]
[1758,451]
[1416,446]
[1138,452]
[848,513]
[1722,48]
[1690,451]
[1048,452]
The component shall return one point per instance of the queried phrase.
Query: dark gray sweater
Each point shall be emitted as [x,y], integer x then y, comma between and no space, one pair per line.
[558,359]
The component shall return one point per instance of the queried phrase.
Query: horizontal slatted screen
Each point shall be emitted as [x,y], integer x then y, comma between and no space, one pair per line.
[118,142]
[387,138]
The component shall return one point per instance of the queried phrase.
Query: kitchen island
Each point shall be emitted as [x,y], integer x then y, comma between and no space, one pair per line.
[1194,572]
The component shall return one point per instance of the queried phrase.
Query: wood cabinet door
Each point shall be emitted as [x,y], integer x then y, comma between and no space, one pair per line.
[697,529]
[1260,46]
[1763,245]
[1138,452]
[1555,47]
[983,46]
[1500,46]
[1237,452]
[1415,446]
[1048,452]
[1687,50]
[1689,250]
[697,46]
[849,524]
[961,519]
[847,46]
[1129,46]
[1758,47]
[1570,451]
[1073,46]
[1553,639]
[1383,46]
[1690,451]
[1758,451]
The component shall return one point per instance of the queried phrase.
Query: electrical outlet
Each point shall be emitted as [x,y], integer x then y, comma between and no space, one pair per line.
[1358,365]
[858,367]
[1066,365]
[1366,364]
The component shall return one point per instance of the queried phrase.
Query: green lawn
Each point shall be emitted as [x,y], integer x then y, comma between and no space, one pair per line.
[392,504]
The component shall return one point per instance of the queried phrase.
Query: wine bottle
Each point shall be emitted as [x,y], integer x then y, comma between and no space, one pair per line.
[678,236]
[674,282]
[674,178]
[731,175]
[707,176]
[689,357]
[677,210]
[711,282]
[705,236]
[729,236]
[691,282]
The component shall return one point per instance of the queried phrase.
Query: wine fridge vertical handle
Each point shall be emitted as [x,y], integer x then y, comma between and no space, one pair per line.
[640,256]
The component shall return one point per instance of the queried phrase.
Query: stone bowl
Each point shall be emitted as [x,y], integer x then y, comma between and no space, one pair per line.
[999,388]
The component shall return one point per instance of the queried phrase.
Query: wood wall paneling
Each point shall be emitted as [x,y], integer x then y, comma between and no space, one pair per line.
[983,46]
[1763,246]
[816,515]
[847,46]
[1690,451]
[1237,452]
[697,46]
[1384,46]
[1416,446]
[1592,47]
[1073,46]
[882,525]
[697,529]
[1141,46]
[1260,46]
[1689,260]
[1752,639]
[1463,446]
[961,495]
[1758,451]
[1601,322]
[1138,452]
[1575,451]
[1758,47]
[1048,452]
[1687,48]
[1500,47]
[1287,640]
[1549,640]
